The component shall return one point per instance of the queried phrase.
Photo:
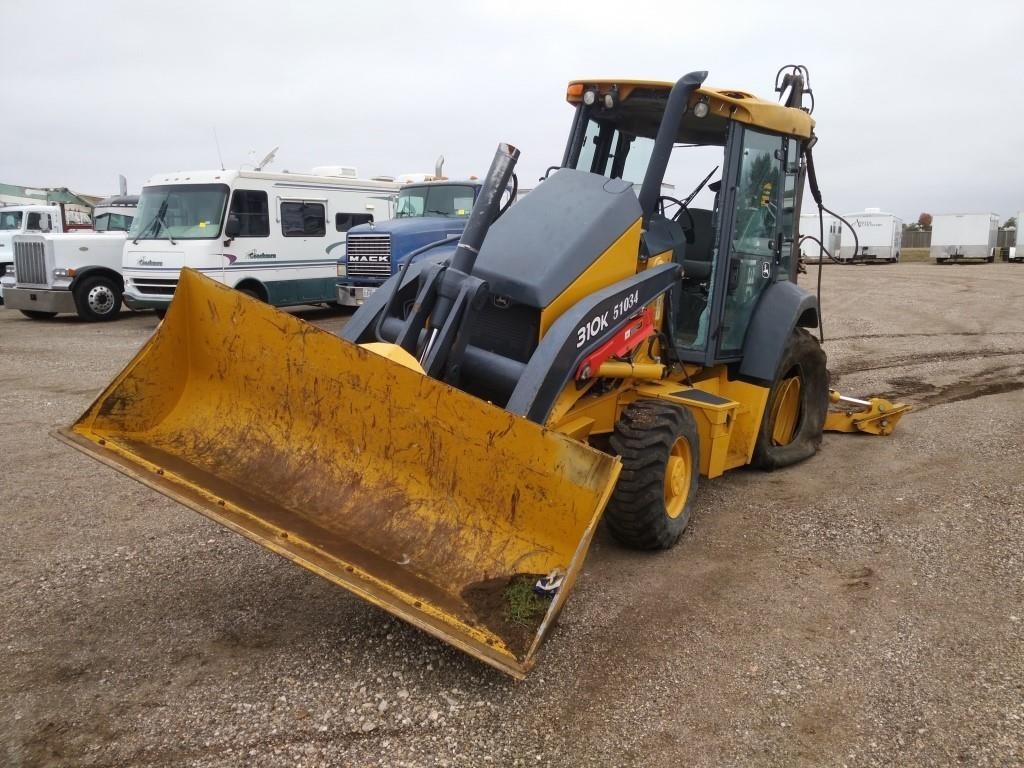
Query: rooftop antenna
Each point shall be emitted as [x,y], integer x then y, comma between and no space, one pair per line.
[266,160]
[217,142]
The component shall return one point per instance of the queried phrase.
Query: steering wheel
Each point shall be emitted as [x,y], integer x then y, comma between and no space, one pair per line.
[666,200]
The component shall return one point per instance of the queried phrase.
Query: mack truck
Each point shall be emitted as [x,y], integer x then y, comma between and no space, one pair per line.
[429,219]
[72,272]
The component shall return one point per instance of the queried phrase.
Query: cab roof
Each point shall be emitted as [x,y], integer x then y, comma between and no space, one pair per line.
[641,103]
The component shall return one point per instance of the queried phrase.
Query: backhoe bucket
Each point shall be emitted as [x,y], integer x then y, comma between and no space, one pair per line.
[425,501]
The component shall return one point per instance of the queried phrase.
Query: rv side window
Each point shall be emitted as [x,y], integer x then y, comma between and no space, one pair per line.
[343,222]
[250,206]
[303,220]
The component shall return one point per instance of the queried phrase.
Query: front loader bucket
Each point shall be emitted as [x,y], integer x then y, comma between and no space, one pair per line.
[424,500]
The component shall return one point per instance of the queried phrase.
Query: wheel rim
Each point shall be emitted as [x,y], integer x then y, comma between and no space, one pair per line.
[786,411]
[678,477]
[100,299]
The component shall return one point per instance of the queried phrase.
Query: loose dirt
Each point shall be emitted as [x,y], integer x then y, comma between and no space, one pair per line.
[865,608]
[496,605]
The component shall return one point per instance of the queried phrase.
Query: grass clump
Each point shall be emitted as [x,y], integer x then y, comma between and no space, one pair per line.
[522,604]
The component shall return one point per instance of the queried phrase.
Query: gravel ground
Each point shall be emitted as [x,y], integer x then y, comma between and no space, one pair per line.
[865,608]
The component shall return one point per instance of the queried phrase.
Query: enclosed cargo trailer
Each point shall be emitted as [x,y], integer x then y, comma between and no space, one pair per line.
[810,226]
[879,237]
[964,237]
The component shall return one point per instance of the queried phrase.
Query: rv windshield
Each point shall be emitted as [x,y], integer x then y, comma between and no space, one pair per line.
[448,200]
[10,220]
[113,222]
[180,211]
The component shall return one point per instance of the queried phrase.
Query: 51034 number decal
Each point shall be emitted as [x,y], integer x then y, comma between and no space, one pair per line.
[596,325]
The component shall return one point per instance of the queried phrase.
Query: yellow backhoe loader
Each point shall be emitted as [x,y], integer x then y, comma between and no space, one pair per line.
[593,350]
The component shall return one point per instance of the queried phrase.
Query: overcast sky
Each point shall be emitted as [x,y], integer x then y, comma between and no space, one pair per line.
[920,106]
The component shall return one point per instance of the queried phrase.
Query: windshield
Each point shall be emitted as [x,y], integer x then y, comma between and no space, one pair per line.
[448,200]
[181,211]
[10,220]
[610,153]
[113,222]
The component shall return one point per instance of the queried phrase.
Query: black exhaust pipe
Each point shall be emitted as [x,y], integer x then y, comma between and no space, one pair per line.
[485,208]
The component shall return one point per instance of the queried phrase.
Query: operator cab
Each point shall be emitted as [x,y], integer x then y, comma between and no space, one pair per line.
[641,133]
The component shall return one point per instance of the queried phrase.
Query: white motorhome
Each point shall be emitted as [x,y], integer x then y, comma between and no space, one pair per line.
[964,237]
[270,235]
[810,252]
[74,272]
[879,237]
[18,219]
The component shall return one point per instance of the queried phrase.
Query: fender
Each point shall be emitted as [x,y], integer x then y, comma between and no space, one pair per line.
[83,272]
[783,307]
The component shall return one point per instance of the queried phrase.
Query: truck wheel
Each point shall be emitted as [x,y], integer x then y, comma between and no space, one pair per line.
[98,298]
[794,416]
[660,449]
[35,314]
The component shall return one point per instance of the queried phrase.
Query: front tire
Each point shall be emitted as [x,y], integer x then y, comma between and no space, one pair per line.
[98,299]
[794,416]
[653,499]
[35,314]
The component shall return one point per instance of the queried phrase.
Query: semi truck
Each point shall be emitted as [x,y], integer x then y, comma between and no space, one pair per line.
[17,219]
[72,272]
[429,217]
[958,237]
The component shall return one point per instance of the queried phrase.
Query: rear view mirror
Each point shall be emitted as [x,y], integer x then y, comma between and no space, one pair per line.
[233,226]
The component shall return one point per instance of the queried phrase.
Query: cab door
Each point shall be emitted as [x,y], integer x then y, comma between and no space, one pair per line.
[751,234]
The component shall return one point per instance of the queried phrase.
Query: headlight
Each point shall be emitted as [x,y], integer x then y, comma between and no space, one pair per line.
[342,270]
[60,274]
[9,269]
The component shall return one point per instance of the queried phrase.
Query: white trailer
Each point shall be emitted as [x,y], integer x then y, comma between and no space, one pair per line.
[271,235]
[964,237]
[879,237]
[1017,252]
[810,226]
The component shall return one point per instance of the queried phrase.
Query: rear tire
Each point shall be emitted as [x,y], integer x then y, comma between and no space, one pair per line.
[35,314]
[98,299]
[794,416]
[253,291]
[653,499]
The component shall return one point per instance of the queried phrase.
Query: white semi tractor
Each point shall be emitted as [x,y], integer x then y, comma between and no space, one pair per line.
[960,237]
[72,272]
[41,217]
[879,238]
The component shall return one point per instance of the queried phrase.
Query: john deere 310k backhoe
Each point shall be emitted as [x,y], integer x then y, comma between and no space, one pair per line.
[592,351]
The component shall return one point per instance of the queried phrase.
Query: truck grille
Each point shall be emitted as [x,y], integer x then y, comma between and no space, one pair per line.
[155,286]
[30,263]
[369,256]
